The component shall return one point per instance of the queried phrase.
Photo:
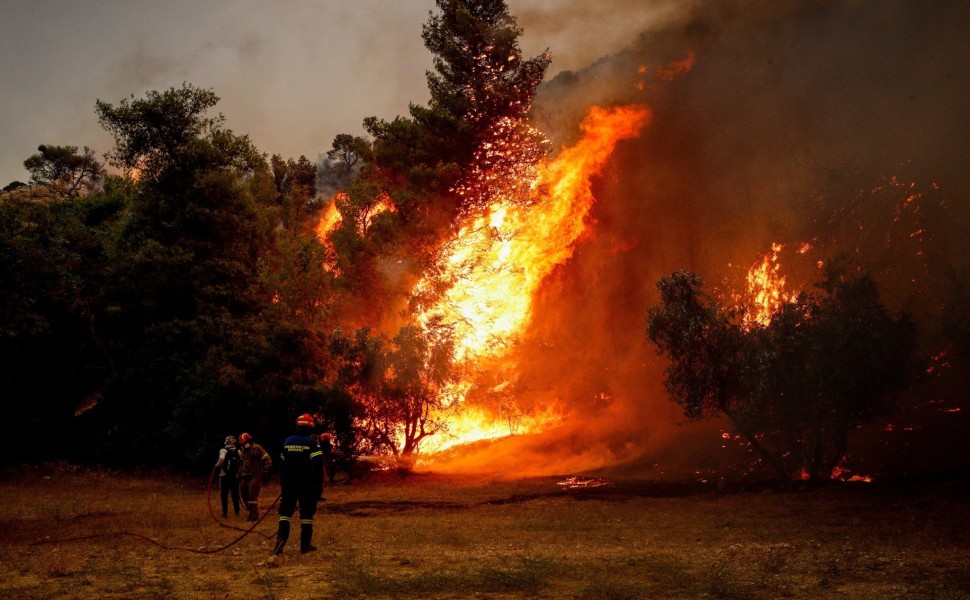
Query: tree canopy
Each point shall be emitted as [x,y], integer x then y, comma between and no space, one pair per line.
[168,132]
[171,302]
[448,157]
[794,388]
[64,169]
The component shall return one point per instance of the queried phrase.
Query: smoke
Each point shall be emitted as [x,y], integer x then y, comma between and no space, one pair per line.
[576,31]
[787,109]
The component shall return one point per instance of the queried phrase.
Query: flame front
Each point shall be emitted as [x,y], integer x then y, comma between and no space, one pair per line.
[493,268]
[498,260]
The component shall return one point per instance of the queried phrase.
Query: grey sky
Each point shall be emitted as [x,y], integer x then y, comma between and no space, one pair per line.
[290,73]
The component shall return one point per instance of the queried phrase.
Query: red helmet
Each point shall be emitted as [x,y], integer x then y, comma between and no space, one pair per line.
[305,420]
[245,437]
[326,436]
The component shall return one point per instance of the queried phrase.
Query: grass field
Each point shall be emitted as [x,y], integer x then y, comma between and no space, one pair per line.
[75,533]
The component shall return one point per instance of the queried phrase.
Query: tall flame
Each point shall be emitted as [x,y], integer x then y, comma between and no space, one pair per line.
[495,265]
[330,219]
[766,289]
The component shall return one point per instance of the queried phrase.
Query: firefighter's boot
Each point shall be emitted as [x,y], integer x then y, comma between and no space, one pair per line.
[253,512]
[306,534]
[281,535]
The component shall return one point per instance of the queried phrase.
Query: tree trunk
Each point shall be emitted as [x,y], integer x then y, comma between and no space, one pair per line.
[784,477]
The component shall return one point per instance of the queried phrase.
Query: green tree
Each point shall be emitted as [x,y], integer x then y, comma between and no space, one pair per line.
[168,133]
[475,123]
[190,307]
[295,182]
[54,252]
[64,169]
[794,388]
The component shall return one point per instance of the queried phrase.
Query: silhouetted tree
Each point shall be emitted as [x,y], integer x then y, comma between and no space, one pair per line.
[193,342]
[168,133]
[13,185]
[399,384]
[481,94]
[347,151]
[794,388]
[54,257]
[64,169]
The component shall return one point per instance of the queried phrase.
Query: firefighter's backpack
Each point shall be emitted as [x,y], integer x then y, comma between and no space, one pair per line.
[232,462]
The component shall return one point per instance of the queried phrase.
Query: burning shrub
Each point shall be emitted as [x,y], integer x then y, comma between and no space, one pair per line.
[793,387]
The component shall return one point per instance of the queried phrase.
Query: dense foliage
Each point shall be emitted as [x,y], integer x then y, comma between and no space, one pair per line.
[405,192]
[150,318]
[444,159]
[147,315]
[794,388]
[65,170]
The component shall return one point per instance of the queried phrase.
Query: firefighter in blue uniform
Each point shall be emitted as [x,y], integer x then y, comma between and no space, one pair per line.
[301,482]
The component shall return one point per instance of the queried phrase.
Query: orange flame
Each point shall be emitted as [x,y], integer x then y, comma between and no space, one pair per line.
[667,72]
[496,264]
[766,290]
[330,219]
[676,68]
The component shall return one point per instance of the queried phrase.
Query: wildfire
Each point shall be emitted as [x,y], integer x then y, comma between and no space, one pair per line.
[495,265]
[472,424]
[766,289]
[571,483]
[842,474]
[331,218]
[667,72]
[676,68]
[499,258]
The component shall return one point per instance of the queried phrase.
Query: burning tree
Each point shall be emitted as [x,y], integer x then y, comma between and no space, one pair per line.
[794,386]
[400,384]
[449,156]
[419,179]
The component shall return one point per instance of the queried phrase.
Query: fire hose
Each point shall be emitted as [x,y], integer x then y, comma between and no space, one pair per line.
[167,547]
[208,496]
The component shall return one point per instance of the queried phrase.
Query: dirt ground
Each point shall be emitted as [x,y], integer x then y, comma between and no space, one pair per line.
[77,533]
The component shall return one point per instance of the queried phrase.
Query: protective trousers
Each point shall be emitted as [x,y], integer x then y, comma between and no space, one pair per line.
[307,500]
[228,485]
[250,486]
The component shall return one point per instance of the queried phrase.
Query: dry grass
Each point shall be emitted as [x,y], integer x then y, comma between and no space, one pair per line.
[435,537]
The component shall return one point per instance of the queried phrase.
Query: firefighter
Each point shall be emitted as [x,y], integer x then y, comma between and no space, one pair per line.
[253,473]
[228,465]
[301,482]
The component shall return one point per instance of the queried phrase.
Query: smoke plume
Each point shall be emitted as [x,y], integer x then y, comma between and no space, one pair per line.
[773,121]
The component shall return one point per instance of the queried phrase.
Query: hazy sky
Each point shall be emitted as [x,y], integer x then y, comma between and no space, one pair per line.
[290,73]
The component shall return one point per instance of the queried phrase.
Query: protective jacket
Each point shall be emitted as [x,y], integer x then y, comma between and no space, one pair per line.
[255,461]
[301,481]
[301,465]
